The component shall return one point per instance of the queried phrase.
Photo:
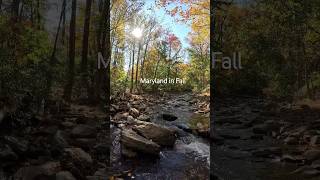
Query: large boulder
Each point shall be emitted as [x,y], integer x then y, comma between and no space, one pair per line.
[158,134]
[83,131]
[132,140]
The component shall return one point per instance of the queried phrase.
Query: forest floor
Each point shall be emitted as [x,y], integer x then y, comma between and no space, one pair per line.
[256,139]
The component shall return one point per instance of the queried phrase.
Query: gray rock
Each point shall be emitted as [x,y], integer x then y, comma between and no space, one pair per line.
[134,112]
[158,134]
[138,143]
[144,117]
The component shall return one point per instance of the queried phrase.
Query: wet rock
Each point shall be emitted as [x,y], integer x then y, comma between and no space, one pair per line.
[134,112]
[132,140]
[18,145]
[45,171]
[83,131]
[184,127]
[291,141]
[64,175]
[169,117]
[158,134]
[144,117]
[6,154]
[312,154]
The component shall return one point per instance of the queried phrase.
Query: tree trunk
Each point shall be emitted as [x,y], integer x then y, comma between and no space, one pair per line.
[85,44]
[103,36]
[138,59]
[144,58]
[15,8]
[38,14]
[132,68]
[72,41]
[63,33]
[52,59]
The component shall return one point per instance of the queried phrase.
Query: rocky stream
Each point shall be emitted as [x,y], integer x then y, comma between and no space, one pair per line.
[168,139]
[256,139]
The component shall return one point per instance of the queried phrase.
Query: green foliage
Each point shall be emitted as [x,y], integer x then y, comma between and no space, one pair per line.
[278,43]
[24,58]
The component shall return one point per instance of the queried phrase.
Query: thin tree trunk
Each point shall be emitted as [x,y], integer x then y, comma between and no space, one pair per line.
[137,68]
[85,44]
[103,74]
[132,68]
[144,58]
[63,33]
[38,14]
[15,7]
[52,59]
[72,41]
